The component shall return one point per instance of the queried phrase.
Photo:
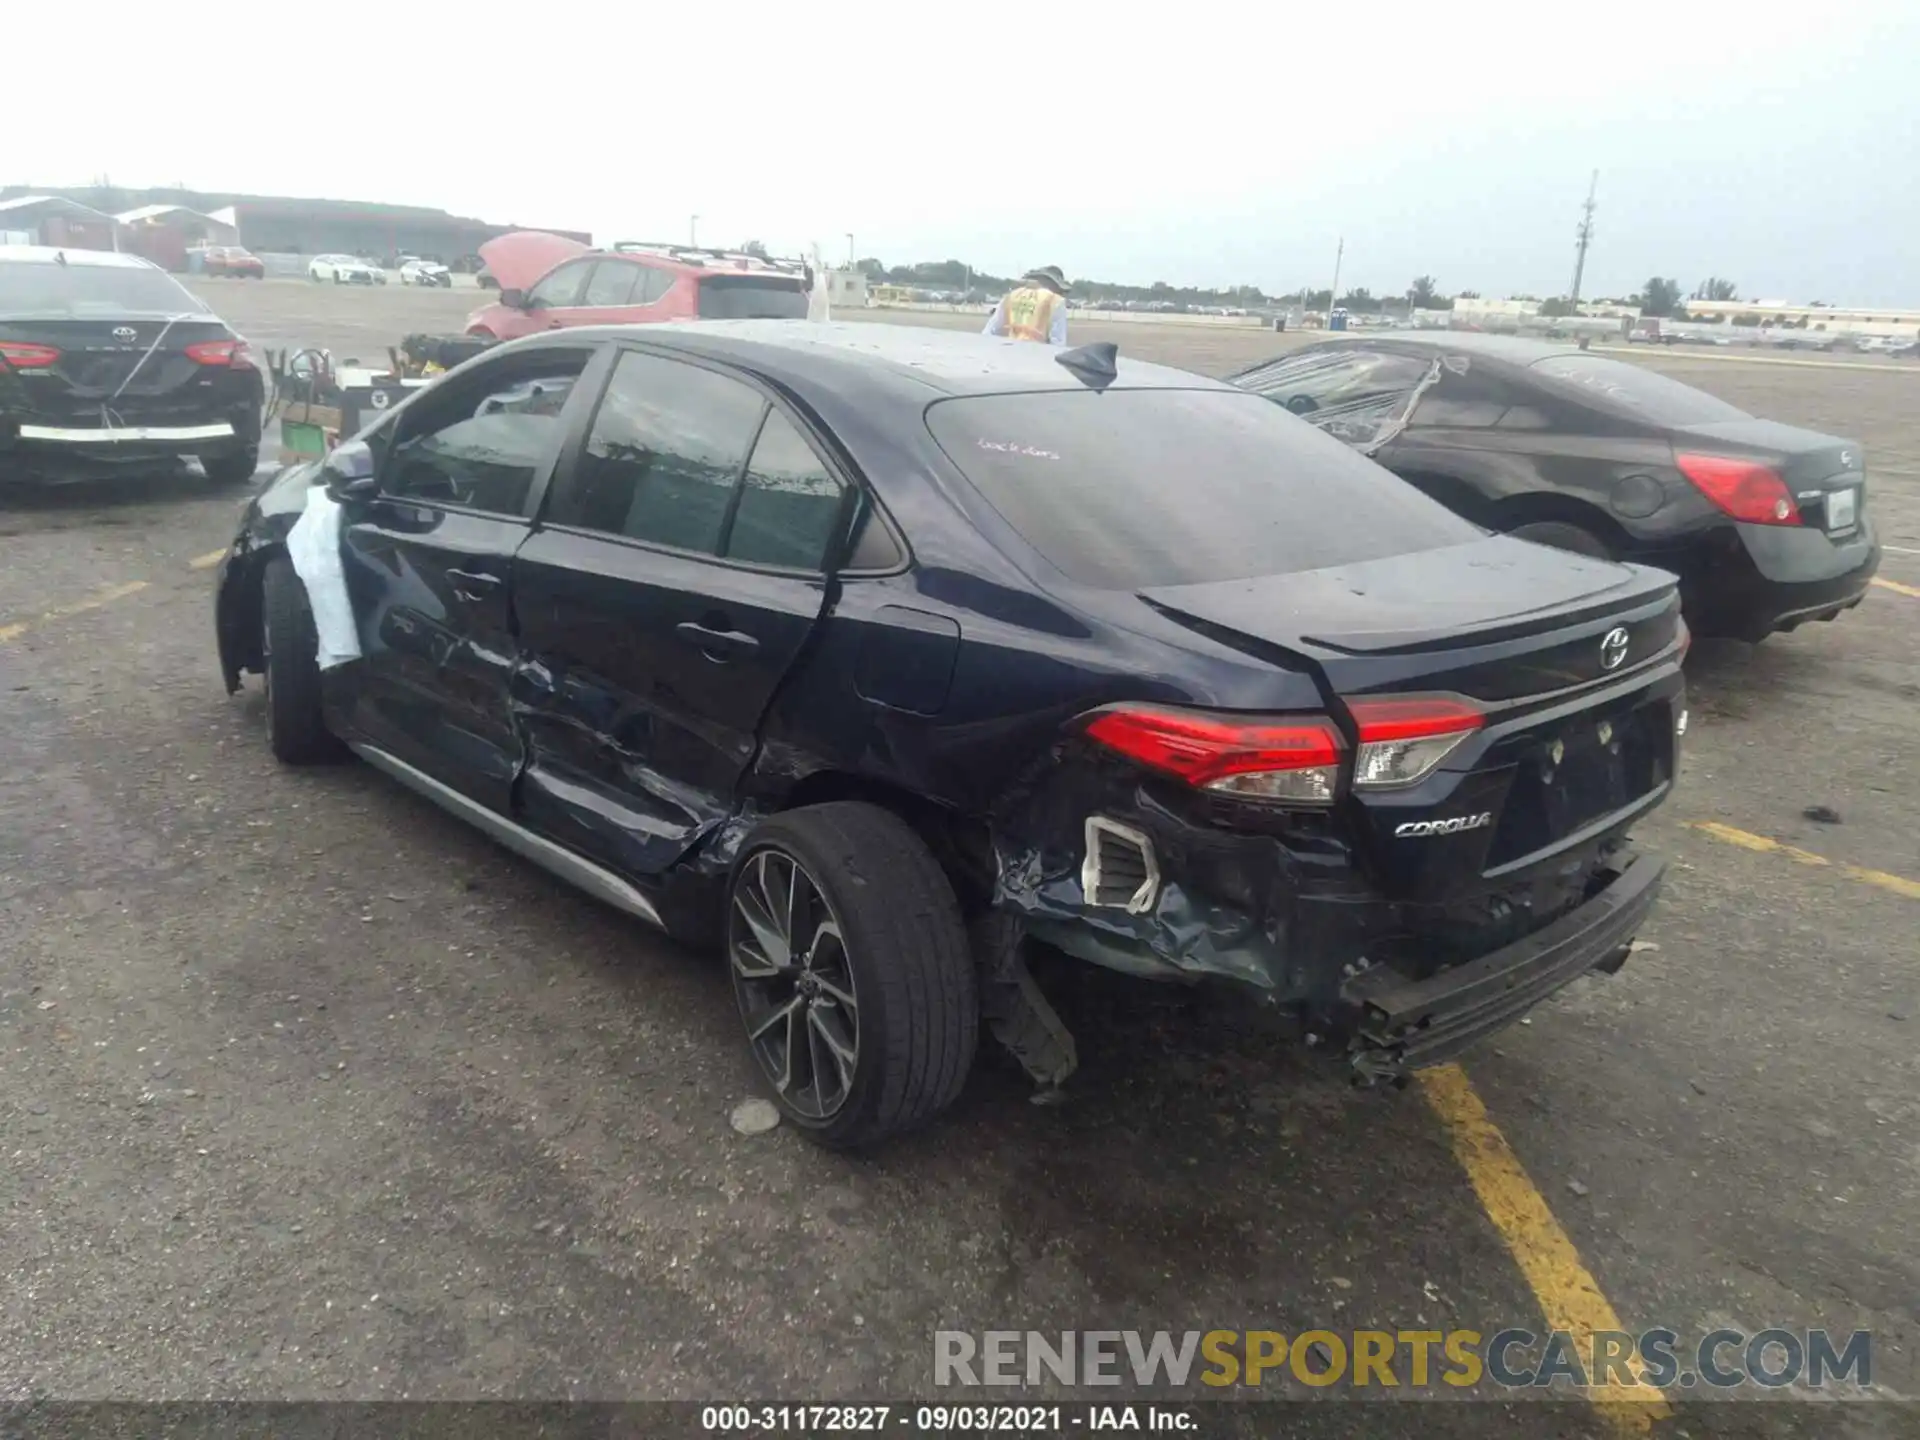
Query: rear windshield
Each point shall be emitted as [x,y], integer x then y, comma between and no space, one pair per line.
[78,292]
[752,297]
[1135,488]
[1629,390]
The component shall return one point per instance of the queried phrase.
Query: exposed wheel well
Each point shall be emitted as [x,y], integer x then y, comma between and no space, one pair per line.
[1520,510]
[963,846]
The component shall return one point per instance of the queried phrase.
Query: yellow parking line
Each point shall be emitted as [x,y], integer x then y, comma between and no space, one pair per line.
[208,560]
[1897,587]
[79,607]
[1899,885]
[1569,1297]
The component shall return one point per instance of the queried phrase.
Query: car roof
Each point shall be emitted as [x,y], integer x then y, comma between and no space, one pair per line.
[808,355]
[51,255]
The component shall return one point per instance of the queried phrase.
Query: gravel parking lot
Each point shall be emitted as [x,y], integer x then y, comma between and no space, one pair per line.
[306,1090]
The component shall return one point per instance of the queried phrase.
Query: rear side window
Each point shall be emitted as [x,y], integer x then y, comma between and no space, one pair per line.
[1135,488]
[790,505]
[752,297]
[76,292]
[1640,394]
[665,451]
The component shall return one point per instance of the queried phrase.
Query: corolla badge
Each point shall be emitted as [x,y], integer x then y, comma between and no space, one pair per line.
[1416,829]
[125,332]
[1613,648]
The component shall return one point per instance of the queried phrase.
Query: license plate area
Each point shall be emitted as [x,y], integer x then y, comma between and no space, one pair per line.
[1843,509]
[1582,769]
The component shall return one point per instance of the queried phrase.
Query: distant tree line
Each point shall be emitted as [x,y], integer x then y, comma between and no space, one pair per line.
[1660,296]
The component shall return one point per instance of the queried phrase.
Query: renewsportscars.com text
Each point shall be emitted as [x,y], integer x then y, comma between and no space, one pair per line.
[1416,1359]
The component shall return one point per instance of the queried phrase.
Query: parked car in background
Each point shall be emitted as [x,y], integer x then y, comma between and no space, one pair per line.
[108,365]
[415,271]
[548,282]
[884,656]
[232,260]
[345,270]
[1765,524]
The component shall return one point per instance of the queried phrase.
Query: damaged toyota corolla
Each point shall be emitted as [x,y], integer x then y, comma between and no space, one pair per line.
[880,656]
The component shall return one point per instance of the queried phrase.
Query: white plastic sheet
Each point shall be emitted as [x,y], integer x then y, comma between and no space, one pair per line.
[313,545]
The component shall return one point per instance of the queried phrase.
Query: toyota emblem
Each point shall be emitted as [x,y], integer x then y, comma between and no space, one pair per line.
[125,332]
[1613,648]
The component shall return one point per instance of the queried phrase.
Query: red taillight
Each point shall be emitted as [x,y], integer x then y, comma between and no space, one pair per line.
[232,353]
[1745,489]
[24,356]
[1403,738]
[1293,759]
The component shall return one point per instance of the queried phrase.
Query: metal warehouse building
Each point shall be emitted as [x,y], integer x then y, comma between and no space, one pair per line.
[279,224]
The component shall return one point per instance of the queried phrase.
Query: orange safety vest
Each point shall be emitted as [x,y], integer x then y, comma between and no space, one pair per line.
[1030,312]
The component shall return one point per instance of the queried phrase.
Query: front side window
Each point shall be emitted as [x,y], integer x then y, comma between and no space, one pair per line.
[664,455]
[481,444]
[613,284]
[790,505]
[560,288]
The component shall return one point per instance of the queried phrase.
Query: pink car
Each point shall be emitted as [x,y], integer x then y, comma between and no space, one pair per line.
[548,282]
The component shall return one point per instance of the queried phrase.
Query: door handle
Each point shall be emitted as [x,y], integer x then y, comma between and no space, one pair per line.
[473,586]
[716,645]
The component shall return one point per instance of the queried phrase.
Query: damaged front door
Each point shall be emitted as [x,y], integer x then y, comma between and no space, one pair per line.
[429,563]
[677,569]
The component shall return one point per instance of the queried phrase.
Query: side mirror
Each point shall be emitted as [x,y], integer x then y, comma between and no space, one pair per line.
[515,300]
[347,472]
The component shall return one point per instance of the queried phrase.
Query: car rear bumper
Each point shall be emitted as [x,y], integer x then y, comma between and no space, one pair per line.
[164,435]
[1398,1024]
[1777,577]
[45,448]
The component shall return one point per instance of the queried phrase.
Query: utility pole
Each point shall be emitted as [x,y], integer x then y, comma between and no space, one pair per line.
[1584,235]
[849,250]
[1333,295]
[693,230]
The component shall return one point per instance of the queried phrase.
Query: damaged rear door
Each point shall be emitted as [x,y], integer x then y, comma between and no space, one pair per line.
[677,569]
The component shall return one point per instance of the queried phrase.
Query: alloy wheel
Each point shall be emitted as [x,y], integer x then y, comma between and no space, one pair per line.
[794,984]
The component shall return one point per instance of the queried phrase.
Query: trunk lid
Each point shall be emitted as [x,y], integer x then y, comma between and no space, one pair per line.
[137,367]
[1495,619]
[1574,662]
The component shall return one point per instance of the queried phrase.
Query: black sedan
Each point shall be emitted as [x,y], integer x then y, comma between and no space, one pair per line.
[1765,524]
[106,363]
[884,655]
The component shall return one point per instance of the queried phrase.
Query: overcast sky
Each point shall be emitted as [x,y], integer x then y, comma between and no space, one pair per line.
[1193,142]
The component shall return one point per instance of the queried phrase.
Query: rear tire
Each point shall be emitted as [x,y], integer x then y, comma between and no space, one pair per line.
[296,727]
[1564,535]
[873,960]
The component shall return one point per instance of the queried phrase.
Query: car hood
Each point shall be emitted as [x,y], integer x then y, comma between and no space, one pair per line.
[519,259]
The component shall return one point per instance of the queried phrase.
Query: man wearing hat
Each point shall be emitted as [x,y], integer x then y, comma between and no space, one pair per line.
[1035,311]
